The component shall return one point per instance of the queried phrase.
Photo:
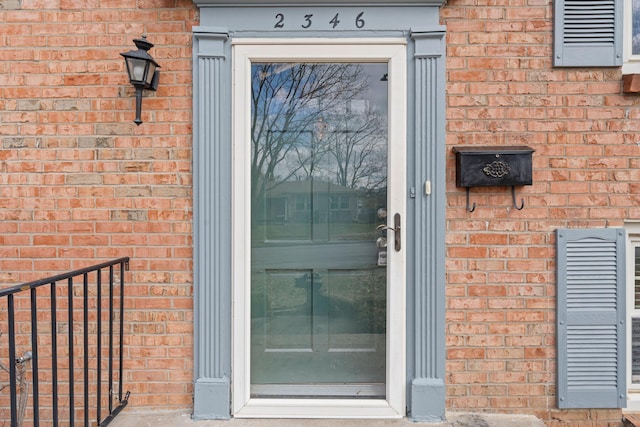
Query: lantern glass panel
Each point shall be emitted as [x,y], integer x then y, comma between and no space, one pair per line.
[150,73]
[136,68]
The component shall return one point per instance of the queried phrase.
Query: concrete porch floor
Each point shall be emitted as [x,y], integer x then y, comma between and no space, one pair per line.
[160,418]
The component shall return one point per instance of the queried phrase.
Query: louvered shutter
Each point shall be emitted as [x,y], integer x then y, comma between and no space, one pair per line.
[591,318]
[587,33]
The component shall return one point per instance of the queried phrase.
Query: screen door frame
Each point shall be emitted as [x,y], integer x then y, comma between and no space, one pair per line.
[244,52]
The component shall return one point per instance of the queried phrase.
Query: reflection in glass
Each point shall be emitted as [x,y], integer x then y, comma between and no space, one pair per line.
[635,322]
[635,350]
[635,28]
[636,279]
[318,177]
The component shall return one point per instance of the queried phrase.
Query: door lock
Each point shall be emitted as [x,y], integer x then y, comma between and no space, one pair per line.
[397,236]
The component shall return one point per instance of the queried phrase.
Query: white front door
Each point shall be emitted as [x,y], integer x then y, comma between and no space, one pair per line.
[318,209]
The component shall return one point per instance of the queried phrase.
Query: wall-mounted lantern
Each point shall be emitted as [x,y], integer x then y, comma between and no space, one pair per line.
[143,71]
[493,167]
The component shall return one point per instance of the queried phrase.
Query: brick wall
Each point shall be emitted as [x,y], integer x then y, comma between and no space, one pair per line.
[503,90]
[79,182]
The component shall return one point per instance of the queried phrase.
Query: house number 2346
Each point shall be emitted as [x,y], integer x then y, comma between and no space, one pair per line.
[308,21]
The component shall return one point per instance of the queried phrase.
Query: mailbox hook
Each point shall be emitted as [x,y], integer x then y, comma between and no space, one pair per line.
[472,208]
[515,204]
[469,207]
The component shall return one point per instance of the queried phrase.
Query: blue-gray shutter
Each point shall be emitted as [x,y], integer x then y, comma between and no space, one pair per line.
[591,318]
[587,33]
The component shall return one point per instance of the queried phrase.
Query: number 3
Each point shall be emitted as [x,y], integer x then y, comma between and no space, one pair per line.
[307,19]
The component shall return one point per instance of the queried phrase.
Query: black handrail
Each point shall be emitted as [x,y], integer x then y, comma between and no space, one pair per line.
[91,304]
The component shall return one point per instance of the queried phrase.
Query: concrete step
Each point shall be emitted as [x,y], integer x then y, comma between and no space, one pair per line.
[130,417]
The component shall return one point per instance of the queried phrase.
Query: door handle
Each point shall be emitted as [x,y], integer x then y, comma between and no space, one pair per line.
[397,235]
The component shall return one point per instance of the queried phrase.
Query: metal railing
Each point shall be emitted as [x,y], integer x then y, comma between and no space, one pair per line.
[76,361]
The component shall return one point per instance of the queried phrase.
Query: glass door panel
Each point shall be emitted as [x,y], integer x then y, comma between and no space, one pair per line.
[319,144]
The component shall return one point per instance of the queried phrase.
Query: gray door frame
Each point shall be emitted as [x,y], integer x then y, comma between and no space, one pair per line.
[426,198]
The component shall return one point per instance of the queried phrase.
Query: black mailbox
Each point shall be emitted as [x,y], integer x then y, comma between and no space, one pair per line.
[492,167]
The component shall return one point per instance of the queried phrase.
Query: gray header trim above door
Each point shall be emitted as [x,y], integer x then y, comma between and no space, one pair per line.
[246,3]
[320,20]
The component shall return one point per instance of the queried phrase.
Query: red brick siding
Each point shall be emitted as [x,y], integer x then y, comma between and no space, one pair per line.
[503,90]
[79,182]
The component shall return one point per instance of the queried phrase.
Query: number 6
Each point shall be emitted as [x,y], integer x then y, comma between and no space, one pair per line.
[359,20]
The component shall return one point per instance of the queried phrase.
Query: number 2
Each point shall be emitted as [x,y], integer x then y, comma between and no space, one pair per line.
[280,21]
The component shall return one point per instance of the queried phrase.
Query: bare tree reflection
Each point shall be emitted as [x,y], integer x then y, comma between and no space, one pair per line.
[358,145]
[315,122]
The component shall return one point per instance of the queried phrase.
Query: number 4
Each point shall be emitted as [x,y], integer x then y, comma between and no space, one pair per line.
[335,21]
